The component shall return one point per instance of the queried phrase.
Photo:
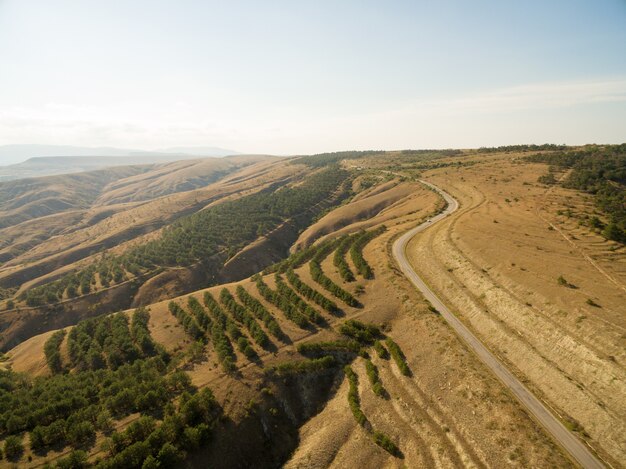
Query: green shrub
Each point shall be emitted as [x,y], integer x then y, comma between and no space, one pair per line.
[353,396]
[13,447]
[398,356]
[385,443]
[372,374]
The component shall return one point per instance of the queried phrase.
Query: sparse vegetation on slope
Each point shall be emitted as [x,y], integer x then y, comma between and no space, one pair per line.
[600,171]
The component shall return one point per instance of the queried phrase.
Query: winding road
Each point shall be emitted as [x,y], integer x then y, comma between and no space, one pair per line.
[575,447]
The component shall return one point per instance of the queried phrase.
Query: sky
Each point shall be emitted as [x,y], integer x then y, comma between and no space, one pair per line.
[295,77]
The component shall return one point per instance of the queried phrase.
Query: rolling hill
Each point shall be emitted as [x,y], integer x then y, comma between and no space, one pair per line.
[265,321]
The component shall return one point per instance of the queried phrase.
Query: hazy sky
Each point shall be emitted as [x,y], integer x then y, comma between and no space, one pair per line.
[291,76]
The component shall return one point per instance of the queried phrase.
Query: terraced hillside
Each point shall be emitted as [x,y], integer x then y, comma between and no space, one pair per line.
[308,347]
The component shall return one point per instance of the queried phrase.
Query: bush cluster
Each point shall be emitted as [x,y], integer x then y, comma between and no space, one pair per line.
[324,348]
[365,334]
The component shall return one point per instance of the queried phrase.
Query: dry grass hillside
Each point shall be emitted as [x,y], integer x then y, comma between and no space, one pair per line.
[544,292]
[448,412]
[329,357]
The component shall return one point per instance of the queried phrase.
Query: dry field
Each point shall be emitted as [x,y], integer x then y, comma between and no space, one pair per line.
[497,263]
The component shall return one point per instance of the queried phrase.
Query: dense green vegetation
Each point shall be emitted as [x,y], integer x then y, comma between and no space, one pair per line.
[398,356]
[325,159]
[356,252]
[110,342]
[311,294]
[226,227]
[600,171]
[302,366]
[146,443]
[52,351]
[324,348]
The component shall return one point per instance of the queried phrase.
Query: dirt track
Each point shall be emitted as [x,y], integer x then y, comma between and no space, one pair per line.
[574,447]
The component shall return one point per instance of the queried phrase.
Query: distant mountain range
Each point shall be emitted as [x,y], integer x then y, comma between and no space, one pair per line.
[20,161]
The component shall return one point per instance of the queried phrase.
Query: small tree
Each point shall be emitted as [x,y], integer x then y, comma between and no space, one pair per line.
[13,447]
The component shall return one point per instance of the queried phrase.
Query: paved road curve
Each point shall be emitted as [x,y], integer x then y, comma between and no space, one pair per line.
[576,448]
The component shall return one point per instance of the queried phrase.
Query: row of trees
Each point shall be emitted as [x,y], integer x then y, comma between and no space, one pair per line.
[315,266]
[310,293]
[52,351]
[222,324]
[281,302]
[188,321]
[339,259]
[242,315]
[110,342]
[306,309]
[260,312]
[356,251]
